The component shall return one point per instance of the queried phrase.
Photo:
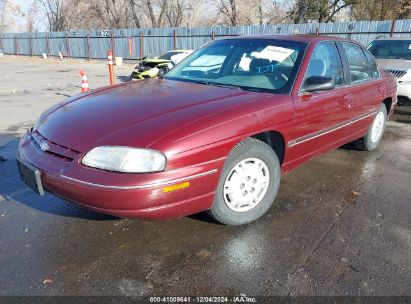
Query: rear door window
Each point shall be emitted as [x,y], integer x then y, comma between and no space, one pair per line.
[357,62]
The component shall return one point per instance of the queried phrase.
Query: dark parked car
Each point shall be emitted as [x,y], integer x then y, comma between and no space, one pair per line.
[216,133]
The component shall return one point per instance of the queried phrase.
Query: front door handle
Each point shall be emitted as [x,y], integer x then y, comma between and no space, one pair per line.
[348,98]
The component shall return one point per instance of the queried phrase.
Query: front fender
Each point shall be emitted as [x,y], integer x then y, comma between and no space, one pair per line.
[214,137]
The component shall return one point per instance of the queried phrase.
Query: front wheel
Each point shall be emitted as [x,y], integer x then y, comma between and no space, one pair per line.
[375,132]
[248,183]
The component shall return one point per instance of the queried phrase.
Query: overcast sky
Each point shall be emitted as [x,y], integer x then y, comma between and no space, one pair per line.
[23,3]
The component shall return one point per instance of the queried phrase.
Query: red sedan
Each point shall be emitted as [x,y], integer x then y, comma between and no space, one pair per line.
[215,133]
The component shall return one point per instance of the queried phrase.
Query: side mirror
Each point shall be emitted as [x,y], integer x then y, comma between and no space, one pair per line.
[318,83]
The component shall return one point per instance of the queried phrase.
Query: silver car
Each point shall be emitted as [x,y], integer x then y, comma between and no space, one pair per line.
[394,55]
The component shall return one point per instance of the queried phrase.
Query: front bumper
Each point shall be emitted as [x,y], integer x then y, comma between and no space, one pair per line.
[404,89]
[151,73]
[125,195]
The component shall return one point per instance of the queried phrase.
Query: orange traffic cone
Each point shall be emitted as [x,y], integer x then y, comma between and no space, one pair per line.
[84,82]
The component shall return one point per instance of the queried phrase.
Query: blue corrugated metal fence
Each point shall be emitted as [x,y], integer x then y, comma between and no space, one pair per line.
[135,43]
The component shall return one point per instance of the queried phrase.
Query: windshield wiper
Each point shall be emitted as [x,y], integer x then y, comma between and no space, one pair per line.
[255,90]
[230,86]
[222,85]
[216,84]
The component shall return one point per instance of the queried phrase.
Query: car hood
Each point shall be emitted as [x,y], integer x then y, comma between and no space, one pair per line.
[158,61]
[133,114]
[395,64]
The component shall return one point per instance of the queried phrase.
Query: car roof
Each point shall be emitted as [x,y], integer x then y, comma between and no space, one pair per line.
[393,38]
[299,37]
[179,51]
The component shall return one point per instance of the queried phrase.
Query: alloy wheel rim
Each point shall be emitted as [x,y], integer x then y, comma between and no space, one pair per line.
[246,184]
[377,127]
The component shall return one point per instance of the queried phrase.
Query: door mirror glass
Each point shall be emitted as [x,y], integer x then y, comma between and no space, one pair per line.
[318,83]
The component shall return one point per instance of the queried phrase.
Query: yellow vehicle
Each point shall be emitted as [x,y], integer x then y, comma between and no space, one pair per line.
[151,67]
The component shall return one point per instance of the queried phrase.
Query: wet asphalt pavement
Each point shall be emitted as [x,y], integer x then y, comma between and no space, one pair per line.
[341,224]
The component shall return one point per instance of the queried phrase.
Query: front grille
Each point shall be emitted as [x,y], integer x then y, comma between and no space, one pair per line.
[53,148]
[144,66]
[397,73]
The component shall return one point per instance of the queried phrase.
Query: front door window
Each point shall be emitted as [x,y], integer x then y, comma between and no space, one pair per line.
[325,61]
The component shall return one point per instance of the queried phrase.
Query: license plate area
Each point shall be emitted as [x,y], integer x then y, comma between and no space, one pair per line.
[30,176]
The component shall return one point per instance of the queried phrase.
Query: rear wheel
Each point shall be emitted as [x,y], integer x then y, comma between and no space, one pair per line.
[248,184]
[375,132]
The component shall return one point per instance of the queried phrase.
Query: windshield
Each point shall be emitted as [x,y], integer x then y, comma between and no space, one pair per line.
[168,55]
[391,49]
[266,65]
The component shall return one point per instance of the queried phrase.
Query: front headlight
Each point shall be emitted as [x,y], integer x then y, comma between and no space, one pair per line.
[125,159]
[406,77]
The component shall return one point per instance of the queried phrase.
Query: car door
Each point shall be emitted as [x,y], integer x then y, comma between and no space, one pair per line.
[319,116]
[367,87]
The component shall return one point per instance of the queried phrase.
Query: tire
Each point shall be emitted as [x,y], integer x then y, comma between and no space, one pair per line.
[262,172]
[375,132]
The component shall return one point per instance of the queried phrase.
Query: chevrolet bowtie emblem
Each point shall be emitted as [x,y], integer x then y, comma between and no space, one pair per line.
[44,146]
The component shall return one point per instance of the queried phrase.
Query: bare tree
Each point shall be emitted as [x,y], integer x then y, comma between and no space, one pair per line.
[229,9]
[274,11]
[9,14]
[136,9]
[55,13]
[113,14]
[245,12]
[260,12]
[156,11]
[31,16]
[176,12]
[63,15]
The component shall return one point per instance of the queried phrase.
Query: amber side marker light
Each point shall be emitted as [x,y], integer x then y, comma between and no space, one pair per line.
[176,187]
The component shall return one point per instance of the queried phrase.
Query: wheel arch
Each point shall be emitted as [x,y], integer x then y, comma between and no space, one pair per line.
[388,103]
[275,140]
